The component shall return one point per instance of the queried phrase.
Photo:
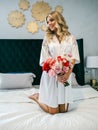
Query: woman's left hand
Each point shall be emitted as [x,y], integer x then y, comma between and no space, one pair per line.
[63,78]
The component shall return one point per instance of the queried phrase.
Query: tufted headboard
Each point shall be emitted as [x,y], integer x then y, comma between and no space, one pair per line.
[22,55]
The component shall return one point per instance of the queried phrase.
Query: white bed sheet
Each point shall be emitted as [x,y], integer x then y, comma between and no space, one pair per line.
[18,112]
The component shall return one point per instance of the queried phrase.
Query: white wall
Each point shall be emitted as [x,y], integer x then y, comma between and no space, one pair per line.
[81,17]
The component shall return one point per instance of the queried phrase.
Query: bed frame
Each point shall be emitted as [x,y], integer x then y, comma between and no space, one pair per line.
[22,55]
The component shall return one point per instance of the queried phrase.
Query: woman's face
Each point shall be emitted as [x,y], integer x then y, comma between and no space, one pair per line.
[51,23]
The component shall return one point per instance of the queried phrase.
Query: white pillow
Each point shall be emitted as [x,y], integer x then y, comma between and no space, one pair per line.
[74,81]
[16,80]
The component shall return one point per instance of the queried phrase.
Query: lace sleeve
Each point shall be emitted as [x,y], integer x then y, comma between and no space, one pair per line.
[44,52]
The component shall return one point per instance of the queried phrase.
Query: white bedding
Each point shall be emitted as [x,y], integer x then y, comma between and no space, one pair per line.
[18,112]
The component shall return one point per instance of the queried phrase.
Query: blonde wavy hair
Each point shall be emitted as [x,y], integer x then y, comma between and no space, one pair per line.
[62,28]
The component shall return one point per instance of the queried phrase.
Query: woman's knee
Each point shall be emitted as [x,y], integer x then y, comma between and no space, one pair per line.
[63,107]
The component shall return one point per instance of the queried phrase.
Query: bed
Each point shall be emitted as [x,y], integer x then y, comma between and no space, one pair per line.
[20,58]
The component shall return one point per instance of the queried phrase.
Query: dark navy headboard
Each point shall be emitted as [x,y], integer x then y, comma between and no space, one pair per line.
[79,68]
[22,55]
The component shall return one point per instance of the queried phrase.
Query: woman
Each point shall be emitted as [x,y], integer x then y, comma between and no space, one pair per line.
[53,97]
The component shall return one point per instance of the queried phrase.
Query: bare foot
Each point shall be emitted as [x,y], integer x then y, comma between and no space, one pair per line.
[34,97]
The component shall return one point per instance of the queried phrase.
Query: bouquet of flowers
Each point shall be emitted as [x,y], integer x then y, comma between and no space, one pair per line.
[58,65]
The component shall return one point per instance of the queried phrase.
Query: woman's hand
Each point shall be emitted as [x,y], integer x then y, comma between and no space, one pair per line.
[63,77]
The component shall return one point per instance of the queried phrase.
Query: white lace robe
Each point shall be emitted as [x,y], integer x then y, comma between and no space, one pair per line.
[51,91]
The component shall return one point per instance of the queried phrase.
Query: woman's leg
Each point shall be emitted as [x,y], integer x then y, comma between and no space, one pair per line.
[53,110]
[44,106]
[35,98]
[63,108]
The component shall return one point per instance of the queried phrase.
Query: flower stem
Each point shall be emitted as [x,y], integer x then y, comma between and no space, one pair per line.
[66,84]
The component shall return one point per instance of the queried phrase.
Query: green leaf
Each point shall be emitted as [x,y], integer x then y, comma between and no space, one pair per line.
[66,84]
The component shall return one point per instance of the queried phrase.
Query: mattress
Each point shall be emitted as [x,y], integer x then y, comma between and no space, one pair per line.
[18,112]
